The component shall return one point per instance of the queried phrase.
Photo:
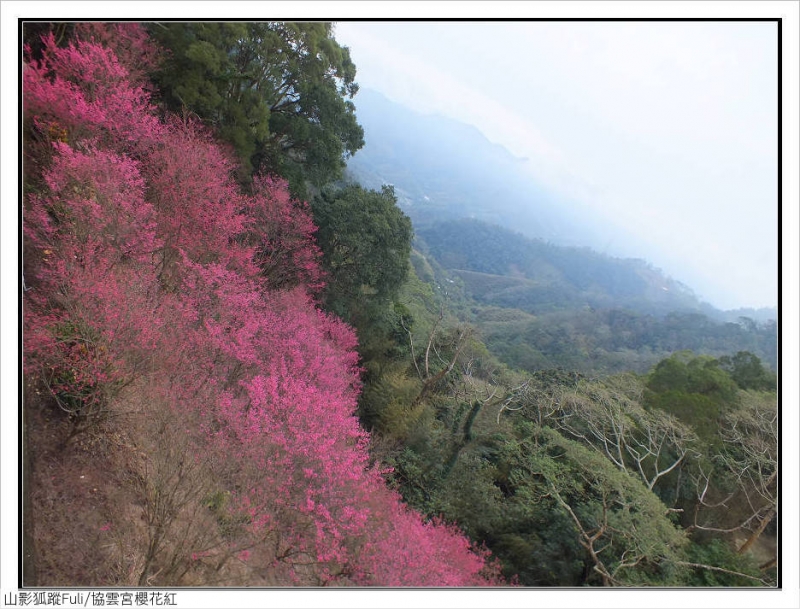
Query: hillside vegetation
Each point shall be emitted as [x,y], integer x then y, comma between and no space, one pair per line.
[171,326]
[241,369]
[540,305]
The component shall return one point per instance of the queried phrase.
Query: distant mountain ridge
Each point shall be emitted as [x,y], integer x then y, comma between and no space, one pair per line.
[541,306]
[504,268]
[443,169]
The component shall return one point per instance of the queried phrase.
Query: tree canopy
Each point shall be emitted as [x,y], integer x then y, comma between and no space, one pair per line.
[366,242]
[279,92]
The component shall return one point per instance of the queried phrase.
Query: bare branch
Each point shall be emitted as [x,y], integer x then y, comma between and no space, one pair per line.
[411,344]
[720,569]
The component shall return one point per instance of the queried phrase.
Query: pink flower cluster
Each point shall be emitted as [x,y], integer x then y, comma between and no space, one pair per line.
[138,234]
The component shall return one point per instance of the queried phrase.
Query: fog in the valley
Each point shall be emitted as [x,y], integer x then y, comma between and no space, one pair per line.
[652,140]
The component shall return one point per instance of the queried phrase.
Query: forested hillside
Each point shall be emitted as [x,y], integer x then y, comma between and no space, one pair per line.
[176,355]
[540,305]
[559,277]
[240,369]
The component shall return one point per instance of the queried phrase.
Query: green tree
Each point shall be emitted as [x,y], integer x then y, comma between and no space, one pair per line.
[695,389]
[366,243]
[670,374]
[746,370]
[279,92]
[622,527]
[609,417]
[740,491]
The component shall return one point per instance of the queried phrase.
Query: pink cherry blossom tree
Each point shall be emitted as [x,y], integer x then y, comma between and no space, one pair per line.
[146,262]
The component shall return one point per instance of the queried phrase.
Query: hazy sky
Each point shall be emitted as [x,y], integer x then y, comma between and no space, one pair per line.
[668,127]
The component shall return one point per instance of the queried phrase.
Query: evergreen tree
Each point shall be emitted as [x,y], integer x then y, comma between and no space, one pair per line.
[278,92]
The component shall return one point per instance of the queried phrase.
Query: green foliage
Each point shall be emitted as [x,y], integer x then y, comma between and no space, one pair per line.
[386,403]
[549,277]
[278,92]
[470,497]
[685,372]
[366,242]
[719,554]
[423,268]
[747,371]
[695,389]
[621,525]
[699,411]
[536,496]
[585,311]
[391,383]
[552,505]
[416,476]
[604,341]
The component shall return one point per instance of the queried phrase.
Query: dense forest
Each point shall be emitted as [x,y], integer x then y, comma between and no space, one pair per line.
[242,367]
[539,305]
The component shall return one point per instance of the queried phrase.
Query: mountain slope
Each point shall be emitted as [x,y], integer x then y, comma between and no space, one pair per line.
[557,277]
[442,168]
[445,170]
[190,406]
[542,306]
